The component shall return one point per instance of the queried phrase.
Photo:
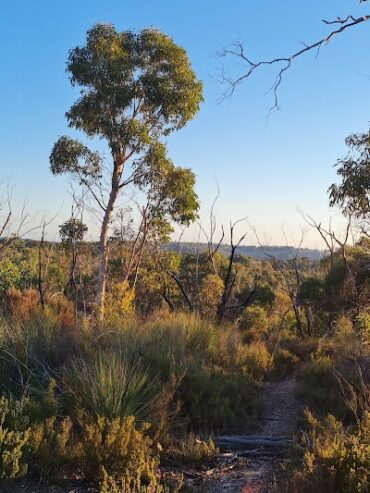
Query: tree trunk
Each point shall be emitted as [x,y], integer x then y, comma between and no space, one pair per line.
[104,238]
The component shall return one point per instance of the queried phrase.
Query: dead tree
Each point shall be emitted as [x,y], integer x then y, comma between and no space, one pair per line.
[230,278]
[14,226]
[292,281]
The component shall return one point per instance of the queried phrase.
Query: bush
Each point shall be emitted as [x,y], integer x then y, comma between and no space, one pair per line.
[336,460]
[212,381]
[254,317]
[361,327]
[13,445]
[318,386]
[54,449]
[254,360]
[123,451]
[285,362]
[109,485]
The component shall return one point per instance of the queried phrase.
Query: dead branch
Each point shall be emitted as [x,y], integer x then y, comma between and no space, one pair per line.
[237,50]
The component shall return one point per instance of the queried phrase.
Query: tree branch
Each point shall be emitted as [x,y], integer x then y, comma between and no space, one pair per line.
[237,50]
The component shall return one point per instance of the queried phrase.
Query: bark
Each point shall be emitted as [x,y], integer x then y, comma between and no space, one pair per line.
[104,238]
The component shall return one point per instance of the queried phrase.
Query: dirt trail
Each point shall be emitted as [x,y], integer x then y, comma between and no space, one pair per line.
[252,471]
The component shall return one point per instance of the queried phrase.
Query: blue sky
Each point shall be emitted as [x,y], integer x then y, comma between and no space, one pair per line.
[264,171]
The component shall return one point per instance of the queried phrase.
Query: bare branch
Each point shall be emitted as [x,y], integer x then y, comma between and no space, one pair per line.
[236,50]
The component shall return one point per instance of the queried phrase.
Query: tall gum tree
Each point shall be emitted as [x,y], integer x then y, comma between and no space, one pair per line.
[136,88]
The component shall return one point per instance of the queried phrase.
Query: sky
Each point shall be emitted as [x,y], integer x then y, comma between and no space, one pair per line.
[266,171]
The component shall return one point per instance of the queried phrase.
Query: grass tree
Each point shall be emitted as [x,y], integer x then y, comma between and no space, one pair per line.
[136,88]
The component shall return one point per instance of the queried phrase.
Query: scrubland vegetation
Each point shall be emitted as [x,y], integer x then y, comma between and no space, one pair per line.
[122,360]
[112,401]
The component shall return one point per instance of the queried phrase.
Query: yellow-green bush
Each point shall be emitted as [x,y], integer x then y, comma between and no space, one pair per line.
[108,484]
[123,450]
[13,446]
[318,387]
[285,362]
[361,327]
[254,360]
[336,460]
[55,450]
[254,318]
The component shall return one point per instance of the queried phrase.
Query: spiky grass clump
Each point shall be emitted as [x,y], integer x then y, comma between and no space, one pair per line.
[110,385]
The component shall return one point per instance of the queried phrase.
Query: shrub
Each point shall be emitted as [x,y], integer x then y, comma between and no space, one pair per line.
[10,276]
[21,304]
[361,327]
[13,445]
[54,450]
[110,385]
[336,460]
[128,485]
[318,386]
[123,451]
[254,360]
[254,317]
[210,294]
[285,362]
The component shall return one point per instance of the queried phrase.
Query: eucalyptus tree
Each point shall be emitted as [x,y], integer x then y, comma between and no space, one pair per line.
[352,194]
[72,233]
[136,88]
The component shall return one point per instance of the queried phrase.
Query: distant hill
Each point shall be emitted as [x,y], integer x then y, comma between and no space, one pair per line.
[256,252]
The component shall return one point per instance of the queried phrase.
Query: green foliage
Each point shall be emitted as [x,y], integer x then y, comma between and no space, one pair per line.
[336,460]
[136,87]
[210,293]
[13,445]
[110,385]
[10,276]
[54,450]
[72,231]
[130,485]
[254,360]
[122,66]
[352,194]
[285,362]
[216,380]
[254,317]
[318,386]
[361,327]
[123,450]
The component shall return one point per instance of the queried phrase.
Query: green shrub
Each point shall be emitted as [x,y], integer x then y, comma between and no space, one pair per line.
[123,451]
[254,360]
[336,460]
[285,362]
[254,318]
[55,451]
[212,385]
[318,387]
[361,327]
[128,485]
[13,445]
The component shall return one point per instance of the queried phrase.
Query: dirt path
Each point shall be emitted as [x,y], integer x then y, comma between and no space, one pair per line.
[253,470]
